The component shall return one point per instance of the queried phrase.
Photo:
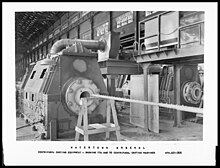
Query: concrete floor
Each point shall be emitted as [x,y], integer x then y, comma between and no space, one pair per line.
[26,133]
[190,131]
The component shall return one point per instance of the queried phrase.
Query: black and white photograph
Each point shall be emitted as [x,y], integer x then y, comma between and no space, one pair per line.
[102,84]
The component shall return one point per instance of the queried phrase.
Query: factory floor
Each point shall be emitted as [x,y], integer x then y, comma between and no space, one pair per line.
[189,131]
[25,133]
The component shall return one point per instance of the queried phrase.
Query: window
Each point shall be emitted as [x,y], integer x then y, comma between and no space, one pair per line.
[26,95]
[43,73]
[32,76]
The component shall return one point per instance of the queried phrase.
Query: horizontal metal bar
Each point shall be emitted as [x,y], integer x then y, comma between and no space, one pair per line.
[189,25]
[189,42]
[177,107]
[142,38]
[131,46]
[127,41]
[150,17]
[193,13]
[128,38]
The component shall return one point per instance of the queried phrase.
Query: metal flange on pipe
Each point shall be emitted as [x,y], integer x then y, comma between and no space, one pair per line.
[192,92]
[80,88]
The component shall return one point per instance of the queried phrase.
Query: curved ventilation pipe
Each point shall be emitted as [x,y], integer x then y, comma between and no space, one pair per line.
[89,44]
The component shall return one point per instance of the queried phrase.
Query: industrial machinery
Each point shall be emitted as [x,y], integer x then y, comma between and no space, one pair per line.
[191,88]
[170,46]
[55,86]
[175,41]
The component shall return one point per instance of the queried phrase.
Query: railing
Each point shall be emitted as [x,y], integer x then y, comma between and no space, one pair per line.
[177,39]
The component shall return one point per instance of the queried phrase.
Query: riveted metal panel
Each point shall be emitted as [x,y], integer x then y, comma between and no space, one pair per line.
[36,79]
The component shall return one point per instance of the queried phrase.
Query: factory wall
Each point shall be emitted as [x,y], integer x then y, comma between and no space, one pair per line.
[93,24]
[83,25]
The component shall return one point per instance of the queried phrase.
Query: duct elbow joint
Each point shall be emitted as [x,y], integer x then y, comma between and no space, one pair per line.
[102,45]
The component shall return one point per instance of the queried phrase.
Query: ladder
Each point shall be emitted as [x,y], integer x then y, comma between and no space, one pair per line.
[88,129]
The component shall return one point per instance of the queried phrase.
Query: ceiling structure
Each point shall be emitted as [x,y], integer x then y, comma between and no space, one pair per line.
[30,25]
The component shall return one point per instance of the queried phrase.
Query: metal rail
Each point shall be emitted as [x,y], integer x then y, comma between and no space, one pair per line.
[172,106]
[158,34]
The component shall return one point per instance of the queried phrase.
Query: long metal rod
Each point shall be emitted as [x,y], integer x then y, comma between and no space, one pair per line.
[30,124]
[177,107]
[31,119]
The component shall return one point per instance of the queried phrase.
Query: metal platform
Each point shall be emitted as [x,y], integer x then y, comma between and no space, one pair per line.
[178,55]
[119,67]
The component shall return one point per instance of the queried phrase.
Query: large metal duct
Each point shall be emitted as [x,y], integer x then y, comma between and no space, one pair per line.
[89,44]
